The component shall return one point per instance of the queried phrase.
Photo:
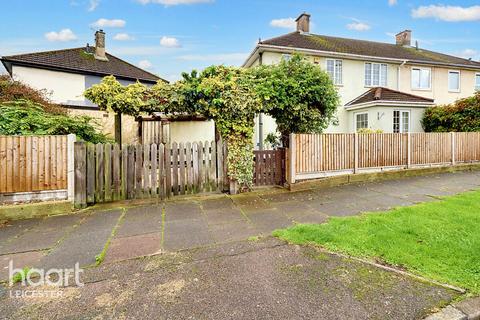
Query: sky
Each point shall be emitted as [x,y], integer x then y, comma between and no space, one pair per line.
[167,37]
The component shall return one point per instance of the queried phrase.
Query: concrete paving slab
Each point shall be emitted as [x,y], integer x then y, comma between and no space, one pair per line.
[448,313]
[84,242]
[470,307]
[182,234]
[233,231]
[133,247]
[182,210]
[222,203]
[43,235]
[250,202]
[141,220]
[316,217]
[268,220]
[222,216]
[19,260]
[14,229]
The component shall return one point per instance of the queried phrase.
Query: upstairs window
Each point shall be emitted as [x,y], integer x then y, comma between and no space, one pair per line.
[421,78]
[454,81]
[334,70]
[477,81]
[375,74]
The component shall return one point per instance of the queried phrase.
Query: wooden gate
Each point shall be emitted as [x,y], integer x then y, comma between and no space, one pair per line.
[106,172]
[269,167]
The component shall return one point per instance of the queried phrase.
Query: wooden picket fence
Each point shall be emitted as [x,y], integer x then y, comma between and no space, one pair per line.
[33,163]
[106,172]
[318,155]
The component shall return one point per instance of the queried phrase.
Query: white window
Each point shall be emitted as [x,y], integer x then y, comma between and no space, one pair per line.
[375,74]
[421,78]
[286,57]
[477,81]
[334,70]
[401,121]
[454,81]
[361,121]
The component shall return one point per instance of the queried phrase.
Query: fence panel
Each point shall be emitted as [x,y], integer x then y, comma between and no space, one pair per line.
[33,163]
[147,171]
[319,155]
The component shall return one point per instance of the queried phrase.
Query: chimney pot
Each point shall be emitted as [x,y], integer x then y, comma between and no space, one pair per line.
[100,46]
[404,38]
[303,23]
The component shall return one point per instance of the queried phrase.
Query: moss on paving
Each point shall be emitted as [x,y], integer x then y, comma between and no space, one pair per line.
[437,240]
[101,256]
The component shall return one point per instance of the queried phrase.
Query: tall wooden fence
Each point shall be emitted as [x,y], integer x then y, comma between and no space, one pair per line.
[33,163]
[319,155]
[106,172]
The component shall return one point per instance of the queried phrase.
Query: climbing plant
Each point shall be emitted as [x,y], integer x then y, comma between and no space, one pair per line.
[299,95]
[225,95]
[111,95]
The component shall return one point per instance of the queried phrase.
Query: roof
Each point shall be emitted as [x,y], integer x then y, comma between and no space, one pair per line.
[80,60]
[299,40]
[379,94]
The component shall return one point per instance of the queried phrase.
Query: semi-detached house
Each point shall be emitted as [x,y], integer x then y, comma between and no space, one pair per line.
[382,86]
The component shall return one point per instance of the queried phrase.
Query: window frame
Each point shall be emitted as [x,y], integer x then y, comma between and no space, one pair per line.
[477,84]
[356,114]
[371,85]
[429,79]
[401,123]
[334,78]
[459,80]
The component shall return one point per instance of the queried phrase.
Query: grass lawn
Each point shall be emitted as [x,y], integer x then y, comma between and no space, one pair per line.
[438,240]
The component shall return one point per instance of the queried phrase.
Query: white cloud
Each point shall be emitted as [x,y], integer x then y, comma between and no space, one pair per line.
[93,5]
[448,13]
[226,58]
[392,2]
[169,42]
[286,23]
[468,53]
[145,64]
[358,26]
[123,37]
[63,35]
[109,23]
[168,3]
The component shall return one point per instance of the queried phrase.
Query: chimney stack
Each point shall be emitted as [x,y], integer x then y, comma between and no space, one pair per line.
[404,38]
[303,23]
[100,46]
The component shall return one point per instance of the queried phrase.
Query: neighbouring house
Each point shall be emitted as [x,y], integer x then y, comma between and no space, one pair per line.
[382,86]
[66,74]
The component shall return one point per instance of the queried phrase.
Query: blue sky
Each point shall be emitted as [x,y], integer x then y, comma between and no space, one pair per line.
[171,36]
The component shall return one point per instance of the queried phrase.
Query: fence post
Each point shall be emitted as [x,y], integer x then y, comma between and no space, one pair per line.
[409,150]
[452,135]
[71,138]
[355,152]
[80,175]
[292,157]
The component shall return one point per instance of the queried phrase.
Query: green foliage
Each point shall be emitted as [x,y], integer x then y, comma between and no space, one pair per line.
[20,276]
[298,94]
[225,95]
[11,90]
[272,140]
[111,95]
[462,116]
[438,240]
[368,130]
[24,117]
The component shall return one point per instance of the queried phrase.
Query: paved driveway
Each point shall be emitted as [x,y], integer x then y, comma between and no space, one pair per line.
[223,222]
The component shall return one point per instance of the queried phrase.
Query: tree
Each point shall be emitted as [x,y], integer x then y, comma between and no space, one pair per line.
[298,95]
[111,95]
[225,95]
[461,116]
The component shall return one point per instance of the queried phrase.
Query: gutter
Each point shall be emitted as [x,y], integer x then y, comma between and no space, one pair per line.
[321,53]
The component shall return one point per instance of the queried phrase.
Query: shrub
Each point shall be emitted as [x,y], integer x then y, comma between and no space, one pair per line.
[368,130]
[11,90]
[461,116]
[23,117]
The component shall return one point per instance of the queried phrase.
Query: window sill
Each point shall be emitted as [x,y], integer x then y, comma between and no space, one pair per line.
[420,89]
[453,91]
